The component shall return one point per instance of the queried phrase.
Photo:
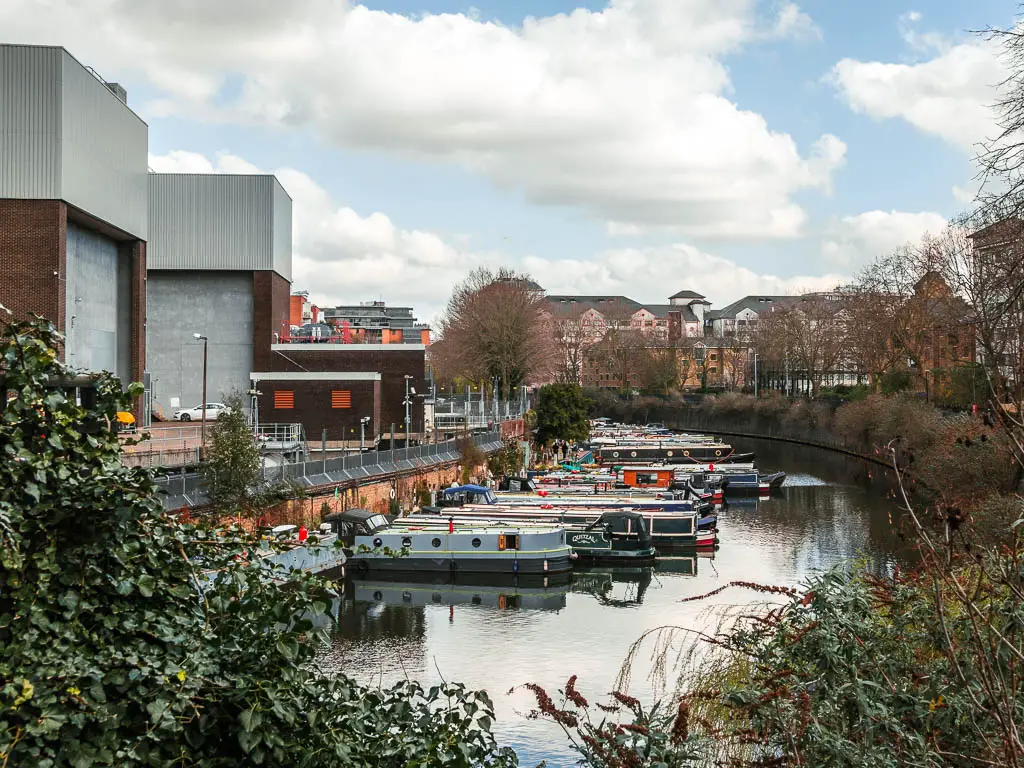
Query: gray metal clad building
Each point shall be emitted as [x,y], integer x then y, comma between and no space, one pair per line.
[67,135]
[73,206]
[220,222]
[220,264]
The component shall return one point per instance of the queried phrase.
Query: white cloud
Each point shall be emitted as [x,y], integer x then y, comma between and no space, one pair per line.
[340,256]
[792,22]
[622,112]
[949,95]
[855,241]
[343,256]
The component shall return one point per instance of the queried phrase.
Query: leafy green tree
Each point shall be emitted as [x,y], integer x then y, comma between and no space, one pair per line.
[561,413]
[506,462]
[231,471]
[131,638]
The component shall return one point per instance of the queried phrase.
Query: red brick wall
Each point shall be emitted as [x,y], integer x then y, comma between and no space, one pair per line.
[313,408]
[33,243]
[271,303]
[393,364]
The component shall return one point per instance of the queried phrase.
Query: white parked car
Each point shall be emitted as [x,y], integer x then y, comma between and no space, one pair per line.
[213,411]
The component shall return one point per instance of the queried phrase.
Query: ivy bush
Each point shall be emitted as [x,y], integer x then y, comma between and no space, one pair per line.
[129,638]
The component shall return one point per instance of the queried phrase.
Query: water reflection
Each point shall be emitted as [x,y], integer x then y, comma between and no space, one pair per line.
[832,510]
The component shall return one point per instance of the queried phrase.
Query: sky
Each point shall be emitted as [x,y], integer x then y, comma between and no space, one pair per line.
[635,147]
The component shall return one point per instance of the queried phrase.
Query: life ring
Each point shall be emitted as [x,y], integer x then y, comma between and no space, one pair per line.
[632,454]
[615,454]
[686,453]
[392,493]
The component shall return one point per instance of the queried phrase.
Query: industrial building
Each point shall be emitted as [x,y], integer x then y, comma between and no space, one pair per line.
[133,266]
[73,207]
[220,265]
[331,387]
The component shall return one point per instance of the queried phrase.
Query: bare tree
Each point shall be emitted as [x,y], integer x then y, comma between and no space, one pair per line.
[495,328]
[572,335]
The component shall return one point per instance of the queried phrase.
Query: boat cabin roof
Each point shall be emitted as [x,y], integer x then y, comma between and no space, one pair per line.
[465,489]
[355,515]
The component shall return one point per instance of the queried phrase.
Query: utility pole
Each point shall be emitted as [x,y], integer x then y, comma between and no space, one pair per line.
[202,429]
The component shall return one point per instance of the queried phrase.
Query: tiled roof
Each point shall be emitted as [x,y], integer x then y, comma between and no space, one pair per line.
[686,295]
[603,304]
[662,310]
[755,303]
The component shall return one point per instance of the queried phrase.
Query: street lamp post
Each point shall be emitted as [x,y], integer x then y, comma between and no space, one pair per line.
[407,403]
[755,375]
[202,431]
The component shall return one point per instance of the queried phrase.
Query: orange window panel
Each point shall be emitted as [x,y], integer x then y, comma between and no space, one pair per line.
[341,398]
[284,398]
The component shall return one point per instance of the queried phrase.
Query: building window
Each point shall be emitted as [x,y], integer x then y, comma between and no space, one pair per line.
[284,398]
[714,355]
[713,369]
[341,398]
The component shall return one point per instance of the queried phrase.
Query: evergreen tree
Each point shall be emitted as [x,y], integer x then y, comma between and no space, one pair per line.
[561,413]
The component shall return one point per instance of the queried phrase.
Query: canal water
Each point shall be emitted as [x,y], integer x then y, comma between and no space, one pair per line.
[832,510]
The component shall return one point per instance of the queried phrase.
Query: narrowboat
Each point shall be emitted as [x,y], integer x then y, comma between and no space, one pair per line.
[478,496]
[605,541]
[734,483]
[679,528]
[318,552]
[720,453]
[373,543]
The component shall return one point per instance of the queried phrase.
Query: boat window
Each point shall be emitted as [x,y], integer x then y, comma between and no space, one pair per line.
[377,542]
[476,542]
[436,597]
[407,541]
[490,498]
[508,541]
[435,542]
[407,597]
[476,600]
[377,521]
[378,596]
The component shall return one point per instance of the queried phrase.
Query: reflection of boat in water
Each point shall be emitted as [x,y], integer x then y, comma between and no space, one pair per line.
[678,564]
[601,583]
[534,593]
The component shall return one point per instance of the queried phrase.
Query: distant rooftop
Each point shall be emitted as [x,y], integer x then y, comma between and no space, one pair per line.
[686,295]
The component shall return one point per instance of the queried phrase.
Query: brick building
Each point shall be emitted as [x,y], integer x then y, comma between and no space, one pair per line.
[332,386]
[73,207]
